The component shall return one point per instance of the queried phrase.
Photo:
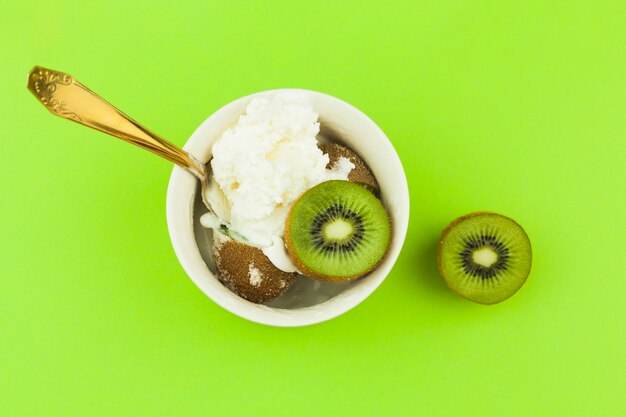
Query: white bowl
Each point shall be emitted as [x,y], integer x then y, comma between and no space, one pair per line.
[308,301]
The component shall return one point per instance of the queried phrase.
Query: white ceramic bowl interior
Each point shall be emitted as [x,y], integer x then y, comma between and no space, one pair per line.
[307,301]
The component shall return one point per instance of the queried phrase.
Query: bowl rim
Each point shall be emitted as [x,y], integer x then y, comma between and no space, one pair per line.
[262,314]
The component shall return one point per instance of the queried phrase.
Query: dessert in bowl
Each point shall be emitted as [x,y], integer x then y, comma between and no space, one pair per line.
[258,199]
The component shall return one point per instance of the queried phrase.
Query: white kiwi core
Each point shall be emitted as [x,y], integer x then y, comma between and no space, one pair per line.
[338,230]
[484,256]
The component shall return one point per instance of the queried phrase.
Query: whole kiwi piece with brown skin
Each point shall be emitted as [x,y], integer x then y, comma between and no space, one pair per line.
[361,173]
[246,271]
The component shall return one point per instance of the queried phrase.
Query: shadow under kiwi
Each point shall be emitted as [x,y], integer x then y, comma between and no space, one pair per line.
[426,265]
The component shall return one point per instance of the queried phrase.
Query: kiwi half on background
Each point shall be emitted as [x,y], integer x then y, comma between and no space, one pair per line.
[337,231]
[484,257]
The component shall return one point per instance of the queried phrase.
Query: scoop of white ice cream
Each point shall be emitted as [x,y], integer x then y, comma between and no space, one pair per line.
[266,161]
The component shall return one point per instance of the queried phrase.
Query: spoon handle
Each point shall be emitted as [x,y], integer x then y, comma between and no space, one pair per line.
[65,97]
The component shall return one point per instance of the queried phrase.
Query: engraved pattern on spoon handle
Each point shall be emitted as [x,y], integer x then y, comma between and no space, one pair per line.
[65,97]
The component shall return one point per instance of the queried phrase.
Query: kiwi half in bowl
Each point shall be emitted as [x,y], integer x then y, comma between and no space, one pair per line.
[337,231]
[484,257]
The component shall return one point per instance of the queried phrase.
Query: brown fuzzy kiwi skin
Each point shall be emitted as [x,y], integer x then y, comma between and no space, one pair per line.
[232,261]
[361,174]
[312,274]
[447,230]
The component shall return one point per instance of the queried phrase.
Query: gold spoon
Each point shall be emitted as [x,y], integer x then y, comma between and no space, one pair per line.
[65,97]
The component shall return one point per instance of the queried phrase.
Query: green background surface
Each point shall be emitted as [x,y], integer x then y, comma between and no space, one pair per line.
[514,107]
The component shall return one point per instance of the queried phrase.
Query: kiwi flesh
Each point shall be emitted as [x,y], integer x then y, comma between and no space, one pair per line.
[484,257]
[246,271]
[361,173]
[337,231]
